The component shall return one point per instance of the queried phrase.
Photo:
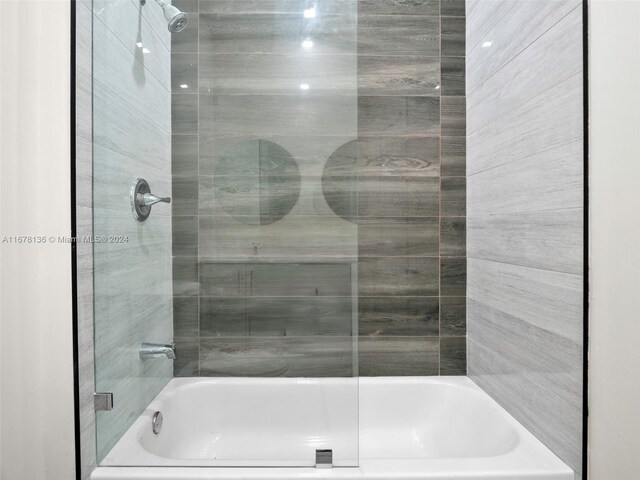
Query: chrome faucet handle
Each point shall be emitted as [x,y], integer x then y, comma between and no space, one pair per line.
[142,199]
[155,350]
[148,199]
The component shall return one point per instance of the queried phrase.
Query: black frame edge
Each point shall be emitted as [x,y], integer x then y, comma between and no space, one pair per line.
[74,232]
[585,244]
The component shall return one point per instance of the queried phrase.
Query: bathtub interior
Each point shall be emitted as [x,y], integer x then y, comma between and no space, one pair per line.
[411,418]
[253,422]
[442,425]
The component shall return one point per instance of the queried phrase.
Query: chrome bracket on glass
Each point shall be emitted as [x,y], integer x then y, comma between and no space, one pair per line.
[142,199]
[102,402]
[324,458]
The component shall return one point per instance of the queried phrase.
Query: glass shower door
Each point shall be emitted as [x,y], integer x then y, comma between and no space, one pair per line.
[247,119]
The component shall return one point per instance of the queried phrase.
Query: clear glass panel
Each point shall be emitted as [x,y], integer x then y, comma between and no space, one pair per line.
[248,119]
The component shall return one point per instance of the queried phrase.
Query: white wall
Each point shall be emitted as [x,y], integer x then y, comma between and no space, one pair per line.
[36,368]
[614,392]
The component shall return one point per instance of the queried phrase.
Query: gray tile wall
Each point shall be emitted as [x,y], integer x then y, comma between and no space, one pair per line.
[379,144]
[524,214]
[131,138]
[411,181]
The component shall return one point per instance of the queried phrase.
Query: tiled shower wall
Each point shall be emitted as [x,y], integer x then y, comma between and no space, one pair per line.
[400,232]
[525,235]
[131,101]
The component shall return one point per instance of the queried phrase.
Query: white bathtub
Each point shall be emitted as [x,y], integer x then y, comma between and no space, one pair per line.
[432,428]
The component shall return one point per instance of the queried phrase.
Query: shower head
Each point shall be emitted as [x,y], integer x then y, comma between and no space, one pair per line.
[177,20]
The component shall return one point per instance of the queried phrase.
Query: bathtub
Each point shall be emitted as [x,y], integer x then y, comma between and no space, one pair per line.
[432,428]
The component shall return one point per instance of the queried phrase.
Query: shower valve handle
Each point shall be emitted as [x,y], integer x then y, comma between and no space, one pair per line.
[142,199]
[148,199]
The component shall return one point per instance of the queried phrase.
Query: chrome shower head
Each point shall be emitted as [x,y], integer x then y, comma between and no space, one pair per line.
[177,20]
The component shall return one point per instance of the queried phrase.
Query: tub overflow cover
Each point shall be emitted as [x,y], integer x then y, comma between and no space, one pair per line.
[156,422]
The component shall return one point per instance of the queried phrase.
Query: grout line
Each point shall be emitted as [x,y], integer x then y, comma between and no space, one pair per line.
[440,210]
[197,213]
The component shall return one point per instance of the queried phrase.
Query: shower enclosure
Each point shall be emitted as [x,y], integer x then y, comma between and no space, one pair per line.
[335,233]
[252,268]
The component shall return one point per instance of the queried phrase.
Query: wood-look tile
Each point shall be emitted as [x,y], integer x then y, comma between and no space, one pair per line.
[222,279]
[122,133]
[300,316]
[555,120]
[184,155]
[453,8]
[483,16]
[184,198]
[221,316]
[453,356]
[397,196]
[548,300]
[184,114]
[185,317]
[548,240]
[558,52]
[117,26]
[305,237]
[184,232]
[406,236]
[254,200]
[453,276]
[275,316]
[453,316]
[184,73]
[552,362]
[276,356]
[453,196]
[398,316]
[453,236]
[398,75]
[452,76]
[189,6]
[310,153]
[402,156]
[186,363]
[454,118]
[453,156]
[525,25]
[525,218]
[270,115]
[299,280]
[278,74]
[399,7]
[530,401]
[398,35]
[281,33]
[549,180]
[398,116]
[185,276]
[393,276]
[323,356]
[278,7]
[453,36]
[398,356]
